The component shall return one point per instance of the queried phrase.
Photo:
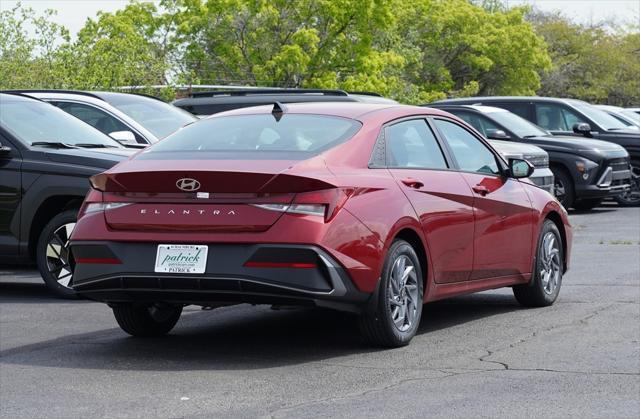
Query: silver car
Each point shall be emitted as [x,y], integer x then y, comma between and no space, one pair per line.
[127,118]
[542,175]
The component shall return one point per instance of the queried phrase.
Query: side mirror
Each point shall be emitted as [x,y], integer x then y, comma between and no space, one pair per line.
[497,134]
[123,137]
[582,128]
[520,168]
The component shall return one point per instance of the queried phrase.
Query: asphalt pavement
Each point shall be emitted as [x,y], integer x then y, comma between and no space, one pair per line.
[474,356]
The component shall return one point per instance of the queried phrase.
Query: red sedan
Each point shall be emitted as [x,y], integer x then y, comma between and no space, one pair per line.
[371,209]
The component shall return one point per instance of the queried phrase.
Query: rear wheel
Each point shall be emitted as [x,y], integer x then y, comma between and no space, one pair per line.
[52,254]
[563,188]
[146,320]
[631,198]
[397,314]
[587,204]
[547,276]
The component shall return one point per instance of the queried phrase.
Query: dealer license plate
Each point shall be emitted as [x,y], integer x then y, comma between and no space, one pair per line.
[181,258]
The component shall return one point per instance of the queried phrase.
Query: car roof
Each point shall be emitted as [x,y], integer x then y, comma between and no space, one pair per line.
[352,110]
[63,93]
[16,97]
[479,108]
[481,99]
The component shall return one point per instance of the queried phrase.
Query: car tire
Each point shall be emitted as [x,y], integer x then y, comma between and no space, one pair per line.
[395,317]
[563,187]
[54,260]
[632,197]
[146,320]
[587,204]
[545,286]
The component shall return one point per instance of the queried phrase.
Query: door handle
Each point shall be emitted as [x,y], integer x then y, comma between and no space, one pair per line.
[412,183]
[480,189]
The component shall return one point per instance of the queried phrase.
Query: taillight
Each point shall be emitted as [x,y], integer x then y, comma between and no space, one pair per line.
[93,203]
[324,203]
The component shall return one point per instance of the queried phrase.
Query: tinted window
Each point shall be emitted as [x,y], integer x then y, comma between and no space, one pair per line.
[34,121]
[514,123]
[470,153]
[479,122]
[155,115]
[519,108]
[412,144]
[556,118]
[295,135]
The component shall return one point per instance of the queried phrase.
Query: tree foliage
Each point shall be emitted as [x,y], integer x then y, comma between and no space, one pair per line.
[413,51]
[592,63]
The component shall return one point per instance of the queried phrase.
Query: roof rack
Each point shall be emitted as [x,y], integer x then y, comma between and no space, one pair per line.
[251,92]
[75,92]
[365,94]
[18,93]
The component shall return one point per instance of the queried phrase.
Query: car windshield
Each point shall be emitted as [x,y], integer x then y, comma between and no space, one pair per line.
[38,122]
[262,136]
[599,116]
[158,117]
[518,125]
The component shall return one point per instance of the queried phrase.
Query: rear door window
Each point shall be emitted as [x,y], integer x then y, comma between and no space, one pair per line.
[411,144]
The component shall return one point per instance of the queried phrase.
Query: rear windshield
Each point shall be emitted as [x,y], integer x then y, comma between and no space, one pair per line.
[249,136]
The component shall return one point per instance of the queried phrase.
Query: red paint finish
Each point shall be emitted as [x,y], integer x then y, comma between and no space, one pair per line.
[478,232]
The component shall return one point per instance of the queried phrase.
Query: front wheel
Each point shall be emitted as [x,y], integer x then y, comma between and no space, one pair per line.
[631,198]
[547,276]
[397,314]
[563,188]
[146,320]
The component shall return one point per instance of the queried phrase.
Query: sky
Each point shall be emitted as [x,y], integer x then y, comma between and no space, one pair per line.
[74,13]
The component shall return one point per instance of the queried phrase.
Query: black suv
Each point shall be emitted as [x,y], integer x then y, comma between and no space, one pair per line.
[571,117]
[585,170]
[208,103]
[46,158]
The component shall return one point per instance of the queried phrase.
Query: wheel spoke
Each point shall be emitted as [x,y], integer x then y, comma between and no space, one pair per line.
[54,250]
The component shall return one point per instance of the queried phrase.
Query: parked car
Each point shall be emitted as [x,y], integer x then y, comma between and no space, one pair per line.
[585,171]
[575,118]
[542,176]
[628,117]
[128,118]
[46,158]
[372,209]
[211,102]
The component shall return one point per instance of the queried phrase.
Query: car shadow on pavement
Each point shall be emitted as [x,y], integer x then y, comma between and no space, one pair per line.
[239,337]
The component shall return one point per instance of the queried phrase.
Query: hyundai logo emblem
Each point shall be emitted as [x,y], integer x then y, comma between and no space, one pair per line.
[188,184]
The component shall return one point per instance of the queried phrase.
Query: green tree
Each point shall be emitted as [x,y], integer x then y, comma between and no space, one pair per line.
[456,48]
[595,63]
[304,43]
[29,45]
[131,47]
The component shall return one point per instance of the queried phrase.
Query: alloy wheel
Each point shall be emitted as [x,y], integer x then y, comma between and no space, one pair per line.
[59,261]
[550,271]
[632,195]
[403,296]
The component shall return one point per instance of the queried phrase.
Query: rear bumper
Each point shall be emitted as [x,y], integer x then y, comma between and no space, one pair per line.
[127,275]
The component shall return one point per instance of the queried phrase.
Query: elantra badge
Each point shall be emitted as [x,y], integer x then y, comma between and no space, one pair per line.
[188,185]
